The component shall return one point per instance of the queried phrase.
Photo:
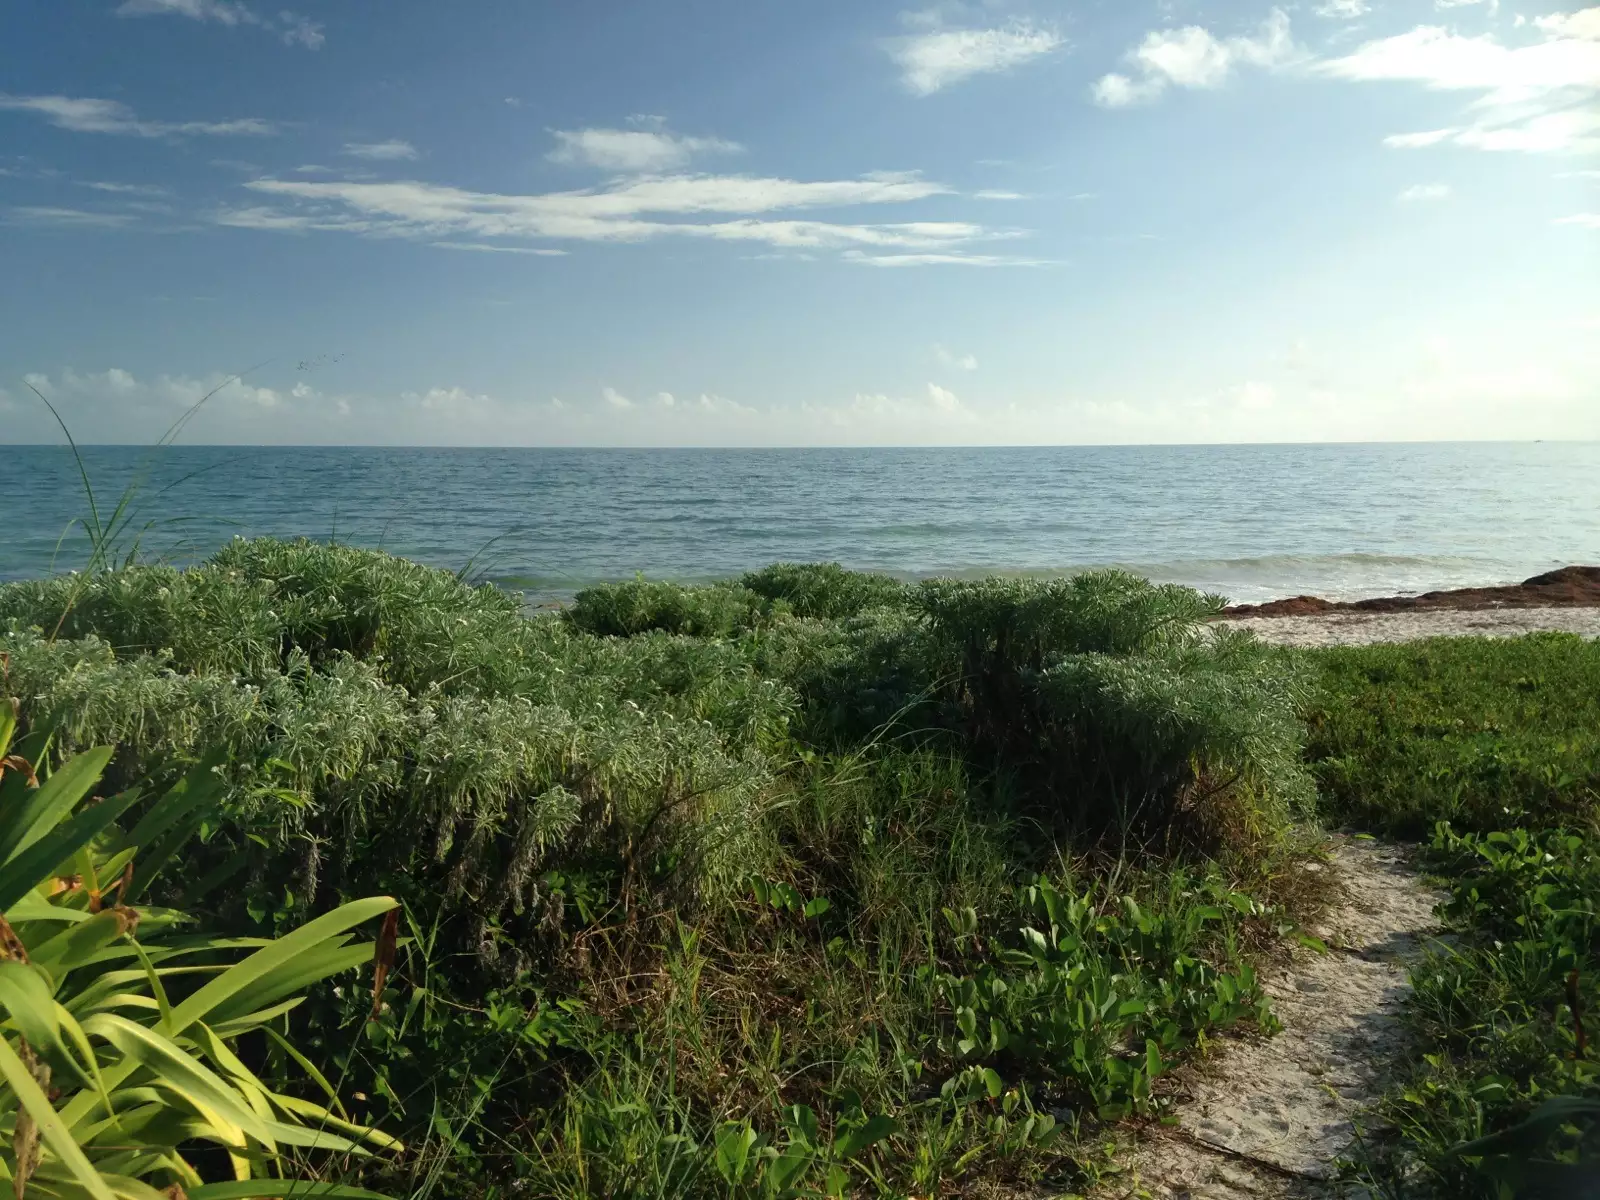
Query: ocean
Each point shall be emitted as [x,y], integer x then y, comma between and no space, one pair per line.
[1251,522]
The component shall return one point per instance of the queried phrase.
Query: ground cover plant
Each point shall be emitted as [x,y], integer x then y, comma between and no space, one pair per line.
[811,882]
[1490,750]
[1487,733]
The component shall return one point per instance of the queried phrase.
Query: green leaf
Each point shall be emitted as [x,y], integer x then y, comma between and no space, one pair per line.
[173,820]
[854,1141]
[45,807]
[32,866]
[801,1122]
[177,1071]
[52,1130]
[733,1151]
[274,959]
[248,1189]
[25,995]
[816,906]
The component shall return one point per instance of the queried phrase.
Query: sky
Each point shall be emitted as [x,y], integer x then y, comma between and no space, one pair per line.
[740,222]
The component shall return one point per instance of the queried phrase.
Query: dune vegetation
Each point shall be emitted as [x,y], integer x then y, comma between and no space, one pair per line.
[815,882]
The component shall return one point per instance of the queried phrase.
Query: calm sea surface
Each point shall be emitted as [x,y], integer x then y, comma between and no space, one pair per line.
[1253,522]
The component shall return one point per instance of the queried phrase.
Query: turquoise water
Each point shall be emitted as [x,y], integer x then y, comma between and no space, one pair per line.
[1253,522]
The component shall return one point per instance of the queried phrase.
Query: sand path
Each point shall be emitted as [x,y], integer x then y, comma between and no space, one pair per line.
[1269,1117]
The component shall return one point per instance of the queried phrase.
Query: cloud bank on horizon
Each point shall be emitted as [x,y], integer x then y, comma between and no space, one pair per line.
[1359,219]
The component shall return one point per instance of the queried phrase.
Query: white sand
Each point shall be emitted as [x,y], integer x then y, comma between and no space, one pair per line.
[1270,1117]
[1359,628]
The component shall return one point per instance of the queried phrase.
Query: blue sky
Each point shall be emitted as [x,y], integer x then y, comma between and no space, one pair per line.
[734,223]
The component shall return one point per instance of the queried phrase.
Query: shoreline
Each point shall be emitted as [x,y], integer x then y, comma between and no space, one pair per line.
[1568,587]
[1564,601]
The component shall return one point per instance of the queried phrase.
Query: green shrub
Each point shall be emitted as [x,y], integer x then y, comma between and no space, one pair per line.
[1487,733]
[826,590]
[1109,702]
[581,814]
[641,605]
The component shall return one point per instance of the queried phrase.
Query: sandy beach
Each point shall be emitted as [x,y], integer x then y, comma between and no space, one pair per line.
[1360,628]
[1566,601]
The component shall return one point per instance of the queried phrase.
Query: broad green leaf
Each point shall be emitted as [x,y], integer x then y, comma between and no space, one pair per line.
[45,807]
[853,1142]
[733,1151]
[275,958]
[31,866]
[308,1111]
[75,945]
[272,1189]
[172,1068]
[26,998]
[34,907]
[52,1130]
[313,966]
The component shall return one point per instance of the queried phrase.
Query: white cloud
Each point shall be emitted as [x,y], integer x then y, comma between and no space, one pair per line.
[629,210]
[115,405]
[291,28]
[963,362]
[1193,57]
[1410,141]
[69,218]
[390,151]
[995,194]
[1582,220]
[615,398]
[1424,192]
[298,30]
[224,12]
[486,247]
[935,59]
[1584,24]
[1344,10]
[1537,97]
[634,151]
[129,189]
[82,114]
[947,259]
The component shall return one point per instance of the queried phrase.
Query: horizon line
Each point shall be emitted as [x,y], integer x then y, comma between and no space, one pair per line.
[802,446]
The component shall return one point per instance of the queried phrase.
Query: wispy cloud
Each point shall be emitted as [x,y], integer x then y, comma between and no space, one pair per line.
[636,209]
[943,259]
[392,150]
[1540,96]
[1193,57]
[1583,220]
[961,362]
[1424,192]
[490,248]
[129,189]
[634,150]
[291,28]
[67,218]
[82,114]
[1343,10]
[938,57]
